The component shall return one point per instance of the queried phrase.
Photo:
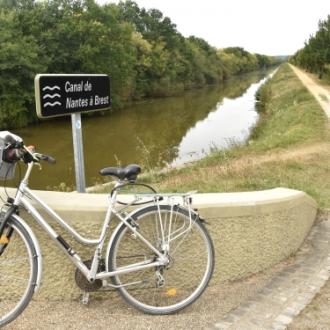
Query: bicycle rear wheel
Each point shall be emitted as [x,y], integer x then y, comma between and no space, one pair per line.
[163,289]
[18,272]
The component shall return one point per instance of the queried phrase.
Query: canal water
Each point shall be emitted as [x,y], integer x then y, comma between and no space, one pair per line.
[158,132]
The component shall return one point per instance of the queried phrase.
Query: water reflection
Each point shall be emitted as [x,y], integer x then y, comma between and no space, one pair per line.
[154,132]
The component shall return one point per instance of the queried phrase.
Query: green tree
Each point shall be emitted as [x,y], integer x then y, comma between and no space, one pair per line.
[19,59]
[315,55]
[140,49]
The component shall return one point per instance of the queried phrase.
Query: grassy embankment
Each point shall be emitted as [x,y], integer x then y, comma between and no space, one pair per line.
[289,148]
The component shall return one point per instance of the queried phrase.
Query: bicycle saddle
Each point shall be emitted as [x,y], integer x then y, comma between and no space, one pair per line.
[129,172]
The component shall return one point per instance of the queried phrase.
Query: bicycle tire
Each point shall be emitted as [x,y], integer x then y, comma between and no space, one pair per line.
[184,283]
[17,261]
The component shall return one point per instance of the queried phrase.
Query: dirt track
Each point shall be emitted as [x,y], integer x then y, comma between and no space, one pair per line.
[321,94]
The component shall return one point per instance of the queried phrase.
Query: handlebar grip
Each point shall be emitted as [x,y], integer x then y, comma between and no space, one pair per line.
[51,160]
[48,159]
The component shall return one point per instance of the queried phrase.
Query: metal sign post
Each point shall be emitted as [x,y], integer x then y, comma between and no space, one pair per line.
[78,150]
[70,94]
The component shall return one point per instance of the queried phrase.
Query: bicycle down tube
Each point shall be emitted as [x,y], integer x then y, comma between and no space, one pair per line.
[73,255]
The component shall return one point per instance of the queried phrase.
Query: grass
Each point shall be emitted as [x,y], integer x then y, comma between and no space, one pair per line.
[292,116]
[288,148]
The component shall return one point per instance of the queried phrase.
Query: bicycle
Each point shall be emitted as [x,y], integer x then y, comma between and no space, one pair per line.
[149,258]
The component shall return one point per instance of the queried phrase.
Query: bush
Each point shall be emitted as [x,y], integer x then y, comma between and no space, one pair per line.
[263,96]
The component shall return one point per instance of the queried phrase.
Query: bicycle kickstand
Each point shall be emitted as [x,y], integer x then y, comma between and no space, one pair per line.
[84,298]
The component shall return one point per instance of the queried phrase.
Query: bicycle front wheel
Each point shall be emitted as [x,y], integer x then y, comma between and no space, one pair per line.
[164,289]
[18,272]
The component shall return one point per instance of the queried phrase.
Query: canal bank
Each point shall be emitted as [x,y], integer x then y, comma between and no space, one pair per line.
[152,133]
[289,148]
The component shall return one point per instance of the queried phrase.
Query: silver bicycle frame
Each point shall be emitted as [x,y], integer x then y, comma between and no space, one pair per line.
[22,199]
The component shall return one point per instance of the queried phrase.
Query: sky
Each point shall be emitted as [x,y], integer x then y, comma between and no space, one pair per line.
[277,27]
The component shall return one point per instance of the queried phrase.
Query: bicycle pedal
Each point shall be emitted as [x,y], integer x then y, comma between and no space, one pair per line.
[84,298]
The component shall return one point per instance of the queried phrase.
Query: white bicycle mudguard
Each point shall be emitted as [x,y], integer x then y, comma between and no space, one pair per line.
[37,247]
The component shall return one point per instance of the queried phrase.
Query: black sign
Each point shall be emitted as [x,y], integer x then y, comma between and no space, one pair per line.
[58,95]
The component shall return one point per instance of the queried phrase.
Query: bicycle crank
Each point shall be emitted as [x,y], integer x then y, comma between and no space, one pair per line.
[82,281]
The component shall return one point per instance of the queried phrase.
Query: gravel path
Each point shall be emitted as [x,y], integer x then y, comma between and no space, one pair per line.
[316,315]
[268,300]
[321,94]
[290,291]
[215,303]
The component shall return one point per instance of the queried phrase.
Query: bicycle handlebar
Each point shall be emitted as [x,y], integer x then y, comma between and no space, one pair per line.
[46,158]
[31,156]
[17,151]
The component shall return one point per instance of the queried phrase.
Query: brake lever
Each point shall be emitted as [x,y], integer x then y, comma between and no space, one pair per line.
[32,155]
[37,157]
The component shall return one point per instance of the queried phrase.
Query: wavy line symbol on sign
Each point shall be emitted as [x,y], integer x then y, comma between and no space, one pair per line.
[48,104]
[51,88]
[51,96]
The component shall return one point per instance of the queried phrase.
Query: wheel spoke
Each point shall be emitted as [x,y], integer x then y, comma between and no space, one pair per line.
[184,236]
[183,282]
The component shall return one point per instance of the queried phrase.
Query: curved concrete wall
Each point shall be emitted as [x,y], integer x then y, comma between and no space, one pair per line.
[251,231]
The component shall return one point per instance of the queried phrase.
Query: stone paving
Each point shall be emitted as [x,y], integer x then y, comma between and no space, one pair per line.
[290,291]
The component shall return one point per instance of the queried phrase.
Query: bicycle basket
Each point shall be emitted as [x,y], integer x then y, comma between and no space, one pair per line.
[7,170]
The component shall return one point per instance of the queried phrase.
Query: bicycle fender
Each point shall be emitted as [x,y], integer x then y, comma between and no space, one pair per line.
[37,247]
